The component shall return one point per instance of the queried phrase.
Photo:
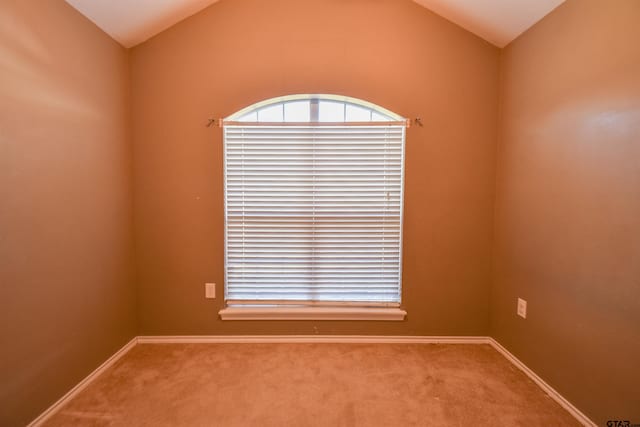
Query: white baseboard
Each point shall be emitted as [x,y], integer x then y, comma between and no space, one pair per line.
[301,339]
[83,384]
[568,406]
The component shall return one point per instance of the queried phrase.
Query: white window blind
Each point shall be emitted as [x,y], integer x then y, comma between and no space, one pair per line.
[314,213]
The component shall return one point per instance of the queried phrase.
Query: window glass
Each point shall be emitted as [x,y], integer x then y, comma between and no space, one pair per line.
[249,117]
[331,111]
[297,111]
[357,114]
[312,109]
[273,113]
[376,117]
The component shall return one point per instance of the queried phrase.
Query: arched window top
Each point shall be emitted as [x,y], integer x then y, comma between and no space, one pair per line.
[314,108]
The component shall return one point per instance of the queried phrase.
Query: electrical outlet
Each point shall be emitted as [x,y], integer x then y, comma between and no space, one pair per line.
[209,290]
[522,308]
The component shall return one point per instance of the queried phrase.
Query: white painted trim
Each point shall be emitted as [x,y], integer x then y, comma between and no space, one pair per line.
[303,339]
[312,313]
[40,420]
[568,406]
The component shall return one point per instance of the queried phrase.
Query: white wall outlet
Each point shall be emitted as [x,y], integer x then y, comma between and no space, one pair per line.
[522,308]
[209,290]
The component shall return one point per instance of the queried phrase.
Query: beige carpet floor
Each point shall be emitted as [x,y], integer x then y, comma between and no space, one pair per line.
[312,385]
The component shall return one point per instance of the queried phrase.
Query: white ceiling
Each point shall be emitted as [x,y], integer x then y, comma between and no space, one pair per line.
[497,21]
[131,22]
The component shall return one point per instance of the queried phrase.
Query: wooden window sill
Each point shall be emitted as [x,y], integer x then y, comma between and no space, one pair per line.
[312,313]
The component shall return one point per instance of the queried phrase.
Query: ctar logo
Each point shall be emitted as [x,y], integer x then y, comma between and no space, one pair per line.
[621,423]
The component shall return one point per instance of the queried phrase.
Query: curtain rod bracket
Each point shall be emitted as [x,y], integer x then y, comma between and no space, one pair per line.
[212,122]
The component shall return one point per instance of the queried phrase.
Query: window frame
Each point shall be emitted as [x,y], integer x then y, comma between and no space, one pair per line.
[318,310]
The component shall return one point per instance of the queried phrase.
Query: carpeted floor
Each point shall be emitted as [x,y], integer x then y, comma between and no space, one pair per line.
[312,385]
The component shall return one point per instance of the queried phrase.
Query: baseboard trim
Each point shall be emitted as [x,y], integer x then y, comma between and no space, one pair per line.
[568,406]
[306,339]
[83,384]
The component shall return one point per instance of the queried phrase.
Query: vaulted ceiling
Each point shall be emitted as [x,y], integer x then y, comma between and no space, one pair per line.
[132,22]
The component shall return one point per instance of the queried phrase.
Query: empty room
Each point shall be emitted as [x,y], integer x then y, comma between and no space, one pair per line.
[320,213]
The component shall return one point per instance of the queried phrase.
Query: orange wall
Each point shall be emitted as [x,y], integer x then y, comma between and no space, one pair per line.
[568,205]
[391,52]
[65,204]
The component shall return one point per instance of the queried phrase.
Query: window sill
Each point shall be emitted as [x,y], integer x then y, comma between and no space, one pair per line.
[312,313]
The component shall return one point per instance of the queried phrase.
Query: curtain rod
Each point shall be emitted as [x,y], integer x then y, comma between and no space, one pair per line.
[407,123]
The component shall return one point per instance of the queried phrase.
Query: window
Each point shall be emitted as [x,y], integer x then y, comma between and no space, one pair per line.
[313,205]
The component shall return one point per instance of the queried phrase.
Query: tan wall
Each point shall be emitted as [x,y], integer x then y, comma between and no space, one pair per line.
[568,206]
[65,204]
[567,211]
[390,52]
